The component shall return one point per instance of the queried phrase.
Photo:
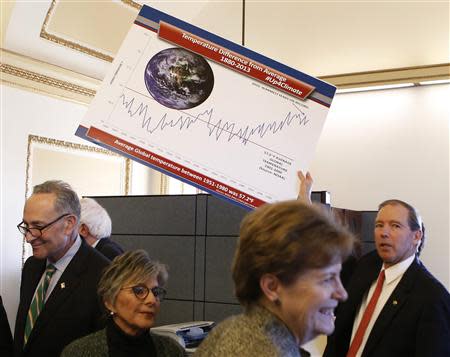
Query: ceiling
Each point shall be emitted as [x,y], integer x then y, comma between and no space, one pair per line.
[348,43]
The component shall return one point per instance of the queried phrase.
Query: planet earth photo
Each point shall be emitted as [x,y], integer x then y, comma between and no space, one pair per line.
[178,78]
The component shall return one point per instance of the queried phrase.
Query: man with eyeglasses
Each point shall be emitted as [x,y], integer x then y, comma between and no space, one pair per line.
[58,292]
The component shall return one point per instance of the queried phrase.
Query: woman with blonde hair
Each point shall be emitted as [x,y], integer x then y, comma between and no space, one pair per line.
[131,289]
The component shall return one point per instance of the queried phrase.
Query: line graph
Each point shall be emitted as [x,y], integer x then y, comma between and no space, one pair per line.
[245,141]
[214,128]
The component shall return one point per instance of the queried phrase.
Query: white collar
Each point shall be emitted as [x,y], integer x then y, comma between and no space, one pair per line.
[396,271]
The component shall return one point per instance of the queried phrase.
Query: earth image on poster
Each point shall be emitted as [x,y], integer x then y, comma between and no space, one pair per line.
[178,78]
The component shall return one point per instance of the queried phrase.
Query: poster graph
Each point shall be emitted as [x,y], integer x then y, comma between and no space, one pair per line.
[208,111]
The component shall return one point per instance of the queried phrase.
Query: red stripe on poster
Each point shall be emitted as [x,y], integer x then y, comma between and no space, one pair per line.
[235,61]
[174,168]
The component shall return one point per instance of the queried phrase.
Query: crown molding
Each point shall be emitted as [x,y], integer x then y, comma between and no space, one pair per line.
[389,76]
[37,76]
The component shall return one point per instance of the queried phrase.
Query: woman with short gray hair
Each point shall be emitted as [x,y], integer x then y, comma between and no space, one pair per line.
[131,289]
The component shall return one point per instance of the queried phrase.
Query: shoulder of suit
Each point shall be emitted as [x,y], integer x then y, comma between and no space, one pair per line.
[32,263]
[95,256]
[426,284]
[371,258]
[368,264]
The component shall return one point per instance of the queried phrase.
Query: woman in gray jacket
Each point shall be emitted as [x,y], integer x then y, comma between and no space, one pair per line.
[286,275]
[131,289]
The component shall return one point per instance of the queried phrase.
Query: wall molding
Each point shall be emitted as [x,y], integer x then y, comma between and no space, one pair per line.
[36,76]
[39,78]
[390,76]
[67,43]
[30,74]
[132,3]
[68,147]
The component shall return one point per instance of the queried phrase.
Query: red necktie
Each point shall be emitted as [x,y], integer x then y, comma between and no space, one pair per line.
[357,340]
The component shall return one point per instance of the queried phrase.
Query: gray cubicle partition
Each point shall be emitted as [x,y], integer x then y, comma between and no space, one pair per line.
[195,235]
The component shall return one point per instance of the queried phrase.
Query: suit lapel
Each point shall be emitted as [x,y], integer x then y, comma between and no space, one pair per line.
[31,278]
[359,286]
[100,243]
[366,276]
[34,277]
[66,285]
[393,305]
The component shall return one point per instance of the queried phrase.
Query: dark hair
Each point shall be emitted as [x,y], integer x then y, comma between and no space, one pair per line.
[285,239]
[414,220]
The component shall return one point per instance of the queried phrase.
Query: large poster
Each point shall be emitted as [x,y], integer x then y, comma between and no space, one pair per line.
[208,111]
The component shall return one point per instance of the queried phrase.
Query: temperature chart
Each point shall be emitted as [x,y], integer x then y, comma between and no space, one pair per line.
[208,111]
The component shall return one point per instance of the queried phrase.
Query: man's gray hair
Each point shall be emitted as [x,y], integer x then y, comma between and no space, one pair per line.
[96,218]
[66,198]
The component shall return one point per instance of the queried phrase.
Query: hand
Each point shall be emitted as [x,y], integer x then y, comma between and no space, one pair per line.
[306,183]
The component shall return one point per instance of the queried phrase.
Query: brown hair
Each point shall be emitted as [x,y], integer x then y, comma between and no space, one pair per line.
[285,239]
[414,220]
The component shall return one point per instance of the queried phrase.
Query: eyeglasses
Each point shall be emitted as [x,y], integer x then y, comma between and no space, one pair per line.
[36,232]
[142,291]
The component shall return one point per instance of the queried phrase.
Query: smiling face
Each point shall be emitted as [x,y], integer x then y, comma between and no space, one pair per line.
[394,239]
[56,239]
[307,305]
[133,315]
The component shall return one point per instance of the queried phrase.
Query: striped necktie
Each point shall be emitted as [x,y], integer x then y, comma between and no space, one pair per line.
[38,302]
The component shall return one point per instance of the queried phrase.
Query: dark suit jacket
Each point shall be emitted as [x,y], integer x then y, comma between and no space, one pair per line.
[414,322]
[109,248]
[70,312]
[6,342]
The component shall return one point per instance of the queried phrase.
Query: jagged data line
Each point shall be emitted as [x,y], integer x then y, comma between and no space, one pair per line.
[215,129]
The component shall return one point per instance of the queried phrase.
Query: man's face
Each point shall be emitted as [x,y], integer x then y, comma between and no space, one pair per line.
[56,239]
[394,239]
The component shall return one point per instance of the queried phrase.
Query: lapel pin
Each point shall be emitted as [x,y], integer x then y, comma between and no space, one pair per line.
[63,285]
[395,302]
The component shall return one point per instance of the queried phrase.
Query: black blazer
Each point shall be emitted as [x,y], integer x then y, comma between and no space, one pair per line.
[6,342]
[71,311]
[109,248]
[414,322]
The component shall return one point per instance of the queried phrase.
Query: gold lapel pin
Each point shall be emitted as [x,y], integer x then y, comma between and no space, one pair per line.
[395,302]
[63,285]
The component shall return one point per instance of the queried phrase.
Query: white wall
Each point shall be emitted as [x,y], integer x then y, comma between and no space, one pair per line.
[24,113]
[392,144]
[375,145]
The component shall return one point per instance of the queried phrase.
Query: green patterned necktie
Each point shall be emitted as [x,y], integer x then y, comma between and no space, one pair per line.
[38,302]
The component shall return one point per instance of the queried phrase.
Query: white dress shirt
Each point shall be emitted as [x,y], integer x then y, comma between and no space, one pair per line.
[393,276]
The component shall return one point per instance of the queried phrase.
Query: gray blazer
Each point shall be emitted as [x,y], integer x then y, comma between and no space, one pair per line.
[96,345]
[255,333]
